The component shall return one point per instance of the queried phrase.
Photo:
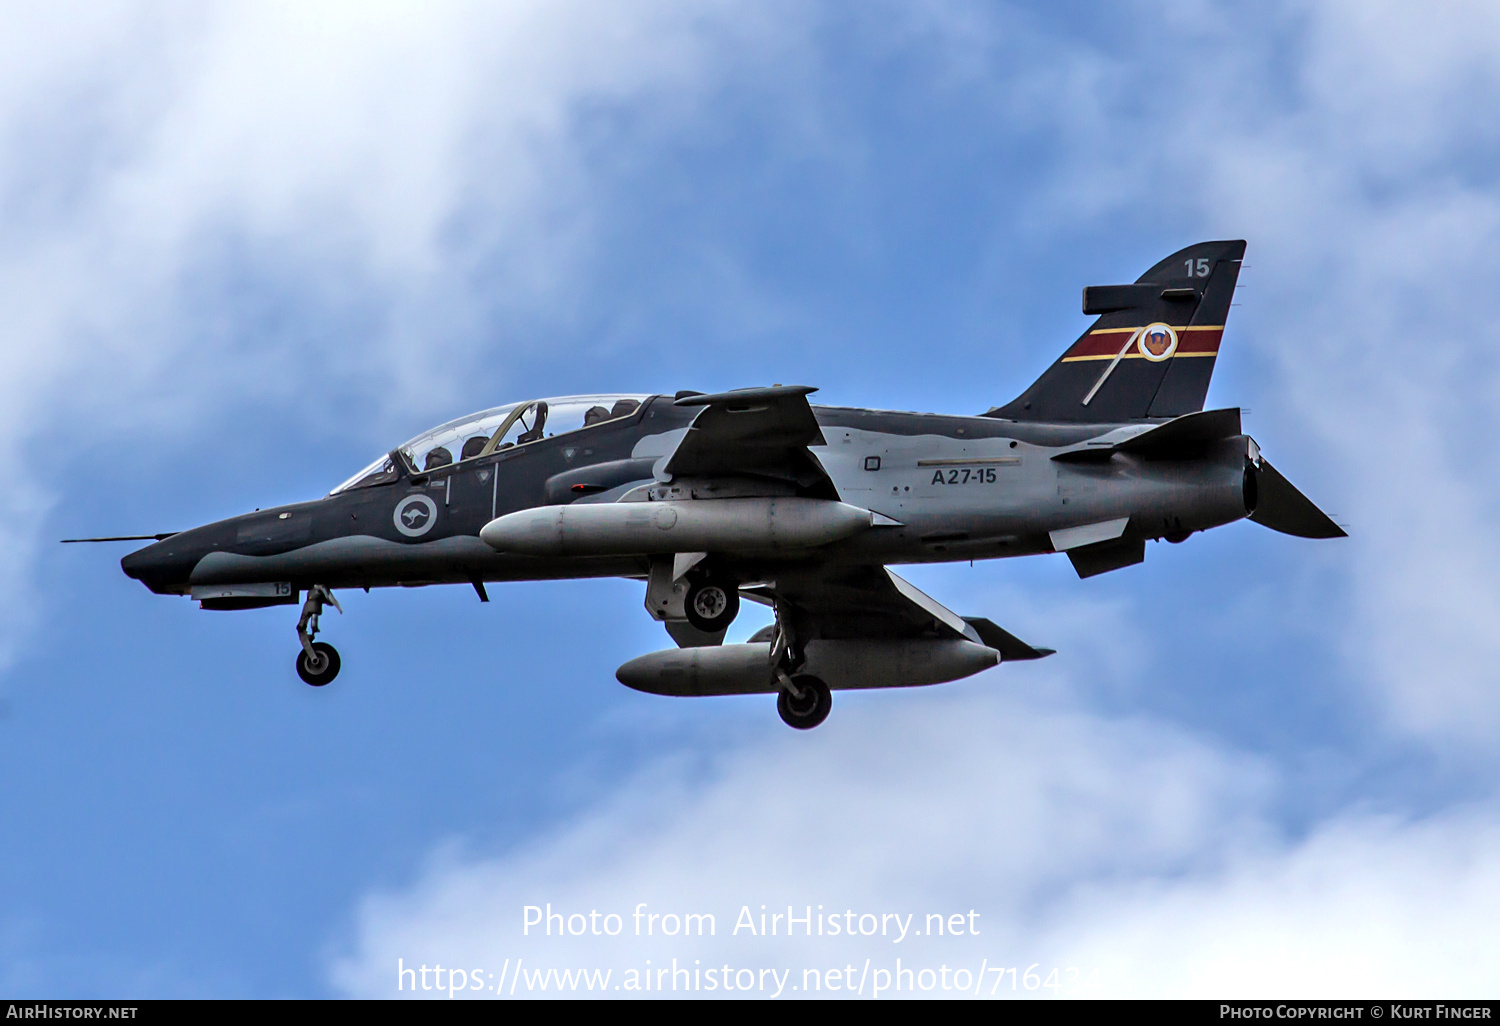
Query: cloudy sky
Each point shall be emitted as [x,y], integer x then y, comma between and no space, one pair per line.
[246,247]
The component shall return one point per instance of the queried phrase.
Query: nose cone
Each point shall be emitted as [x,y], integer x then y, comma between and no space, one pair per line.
[164,567]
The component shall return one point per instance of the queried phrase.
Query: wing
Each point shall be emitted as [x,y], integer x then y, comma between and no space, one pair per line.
[872,602]
[759,432]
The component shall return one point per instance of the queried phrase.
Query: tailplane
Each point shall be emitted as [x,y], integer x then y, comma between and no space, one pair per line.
[1152,350]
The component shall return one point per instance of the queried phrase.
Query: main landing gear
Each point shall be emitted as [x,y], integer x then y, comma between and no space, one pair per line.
[806,706]
[803,700]
[318,662]
[711,605]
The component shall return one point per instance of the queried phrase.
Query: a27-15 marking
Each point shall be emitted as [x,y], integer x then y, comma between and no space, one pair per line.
[978,470]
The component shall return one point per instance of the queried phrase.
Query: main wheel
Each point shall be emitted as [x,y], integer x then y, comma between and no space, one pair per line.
[811,709]
[711,605]
[324,669]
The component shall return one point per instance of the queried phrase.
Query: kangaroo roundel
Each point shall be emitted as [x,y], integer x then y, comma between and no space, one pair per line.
[415,515]
[1157,342]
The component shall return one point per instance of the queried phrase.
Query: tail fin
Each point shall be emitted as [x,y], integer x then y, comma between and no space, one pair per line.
[1152,350]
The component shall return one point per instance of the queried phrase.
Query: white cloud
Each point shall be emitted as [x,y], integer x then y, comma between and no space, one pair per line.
[1376,230]
[1368,905]
[350,141]
[954,802]
[1121,847]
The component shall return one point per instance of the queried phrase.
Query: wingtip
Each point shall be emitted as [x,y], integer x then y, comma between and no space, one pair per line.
[1011,648]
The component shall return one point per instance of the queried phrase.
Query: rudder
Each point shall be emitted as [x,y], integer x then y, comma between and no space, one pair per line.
[1152,351]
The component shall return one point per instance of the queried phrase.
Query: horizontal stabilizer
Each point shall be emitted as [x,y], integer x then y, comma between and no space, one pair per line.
[1279,506]
[1181,438]
[1010,647]
[1185,434]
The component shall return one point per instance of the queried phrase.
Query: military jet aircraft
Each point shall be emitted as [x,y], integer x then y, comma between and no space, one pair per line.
[758,495]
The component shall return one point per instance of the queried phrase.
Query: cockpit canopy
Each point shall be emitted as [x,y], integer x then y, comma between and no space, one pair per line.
[489,431]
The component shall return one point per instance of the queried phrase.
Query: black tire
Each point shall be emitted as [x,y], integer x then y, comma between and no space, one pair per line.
[324,673]
[812,709]
[711,606]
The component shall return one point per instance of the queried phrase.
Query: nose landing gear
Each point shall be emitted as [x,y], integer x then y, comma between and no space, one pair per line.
[321,666]
[318,662]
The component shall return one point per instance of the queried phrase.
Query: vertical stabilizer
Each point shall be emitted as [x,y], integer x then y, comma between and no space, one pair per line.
[1152,350]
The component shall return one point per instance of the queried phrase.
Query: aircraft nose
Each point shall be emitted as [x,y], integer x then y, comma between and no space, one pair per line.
[163,567]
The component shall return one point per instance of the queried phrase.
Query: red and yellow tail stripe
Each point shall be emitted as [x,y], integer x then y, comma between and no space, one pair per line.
[1105,343]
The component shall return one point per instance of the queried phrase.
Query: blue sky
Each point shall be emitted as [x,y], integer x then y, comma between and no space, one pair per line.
[245,249]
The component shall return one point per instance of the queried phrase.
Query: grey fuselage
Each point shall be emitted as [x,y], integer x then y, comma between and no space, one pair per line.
[960,487]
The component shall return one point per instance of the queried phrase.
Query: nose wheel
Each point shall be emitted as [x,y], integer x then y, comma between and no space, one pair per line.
[321,666]
[318,662]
